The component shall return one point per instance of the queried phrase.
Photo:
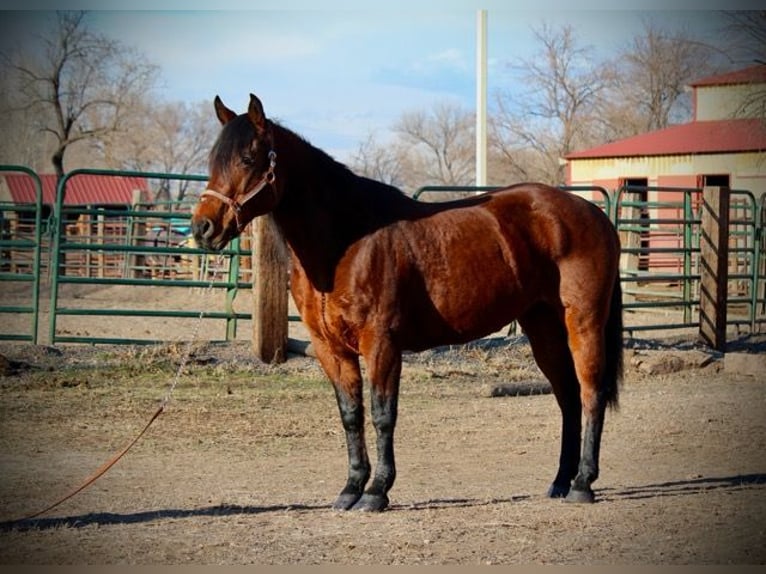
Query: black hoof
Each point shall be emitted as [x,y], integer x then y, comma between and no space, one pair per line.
[558,491]
[580,496]
[371,503]
[346,501]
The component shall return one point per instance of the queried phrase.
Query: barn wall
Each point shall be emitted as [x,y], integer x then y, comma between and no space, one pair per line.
[5,193]
[725,102]
[746,170]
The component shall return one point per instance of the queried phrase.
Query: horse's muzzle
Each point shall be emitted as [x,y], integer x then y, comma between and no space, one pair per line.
[203,230]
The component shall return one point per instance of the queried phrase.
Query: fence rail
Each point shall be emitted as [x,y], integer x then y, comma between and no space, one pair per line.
[144,252]
[127,248]
[20,248]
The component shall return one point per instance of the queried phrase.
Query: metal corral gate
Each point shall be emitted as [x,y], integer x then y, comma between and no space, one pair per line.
[143,253]
[660,265]
[21,237]
[135,262]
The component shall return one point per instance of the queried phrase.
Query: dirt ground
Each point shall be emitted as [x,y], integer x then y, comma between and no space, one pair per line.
[243,466]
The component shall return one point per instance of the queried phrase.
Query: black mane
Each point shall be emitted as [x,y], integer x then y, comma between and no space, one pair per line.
[365,204]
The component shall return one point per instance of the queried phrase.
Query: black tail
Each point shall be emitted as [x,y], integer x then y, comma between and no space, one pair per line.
[613,338]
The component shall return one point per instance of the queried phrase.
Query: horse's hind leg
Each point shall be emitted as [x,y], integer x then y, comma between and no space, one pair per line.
[548,339]
[586,342]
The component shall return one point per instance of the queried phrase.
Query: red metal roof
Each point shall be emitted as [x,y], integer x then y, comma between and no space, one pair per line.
[752,75]
[720,136]
[83,189]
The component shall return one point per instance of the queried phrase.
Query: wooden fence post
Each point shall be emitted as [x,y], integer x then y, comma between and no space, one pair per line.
[714,270]
[269,291]
[630,240]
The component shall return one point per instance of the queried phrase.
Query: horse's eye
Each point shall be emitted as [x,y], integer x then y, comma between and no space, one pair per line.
[247,160]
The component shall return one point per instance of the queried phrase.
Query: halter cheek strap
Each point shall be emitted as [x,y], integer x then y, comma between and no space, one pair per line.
[237,205]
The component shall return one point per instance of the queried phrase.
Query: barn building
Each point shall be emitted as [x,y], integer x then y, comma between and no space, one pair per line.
[661,173]
[723,145]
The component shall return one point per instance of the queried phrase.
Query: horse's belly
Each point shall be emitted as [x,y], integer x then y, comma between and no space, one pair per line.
[462,316]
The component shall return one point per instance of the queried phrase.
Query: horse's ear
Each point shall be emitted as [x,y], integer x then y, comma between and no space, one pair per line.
[225,115]
[256,115]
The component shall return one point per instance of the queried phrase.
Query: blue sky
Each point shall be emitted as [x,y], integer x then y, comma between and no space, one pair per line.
[337,74]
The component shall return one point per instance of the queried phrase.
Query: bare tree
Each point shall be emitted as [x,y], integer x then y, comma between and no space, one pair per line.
[534,128]
[746,37]
[173,137]
[20,145]
[745,31]
[80,85]
[654,72]
[441,145]
[380,162]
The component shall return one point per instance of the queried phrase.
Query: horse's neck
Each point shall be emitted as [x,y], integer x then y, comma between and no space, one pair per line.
[308,214]
[325,208]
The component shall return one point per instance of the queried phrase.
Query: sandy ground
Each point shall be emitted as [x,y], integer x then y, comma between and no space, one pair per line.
[245,463]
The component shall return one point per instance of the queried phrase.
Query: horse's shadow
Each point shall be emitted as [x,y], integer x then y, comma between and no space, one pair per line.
[115,518]
[687,487]
[662,489]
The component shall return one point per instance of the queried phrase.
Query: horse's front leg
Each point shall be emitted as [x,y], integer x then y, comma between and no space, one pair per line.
[384,365]
[351,407]
[346,377]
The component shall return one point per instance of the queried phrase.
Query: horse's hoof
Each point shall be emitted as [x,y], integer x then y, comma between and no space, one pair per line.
[345,501]
[580,496]
[371,503]
[558,491]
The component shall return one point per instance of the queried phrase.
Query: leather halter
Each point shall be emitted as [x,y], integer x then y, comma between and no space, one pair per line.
[237,205]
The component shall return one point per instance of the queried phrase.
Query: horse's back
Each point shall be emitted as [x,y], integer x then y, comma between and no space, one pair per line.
[532,225]
[567,233]
[550,212]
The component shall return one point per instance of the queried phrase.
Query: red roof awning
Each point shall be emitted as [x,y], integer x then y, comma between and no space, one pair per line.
[751,75]
[721,136]
[84,189]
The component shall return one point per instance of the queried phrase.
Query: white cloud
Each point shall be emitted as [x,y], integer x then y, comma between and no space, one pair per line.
[449,58]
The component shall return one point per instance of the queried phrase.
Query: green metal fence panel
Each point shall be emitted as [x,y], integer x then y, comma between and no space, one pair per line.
[145,264]
[660,228]
[758,295]
[743,259]
[21,237]
[443,189]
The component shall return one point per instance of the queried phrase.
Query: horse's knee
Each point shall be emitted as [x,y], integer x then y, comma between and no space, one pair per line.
[351,410]
[384,411]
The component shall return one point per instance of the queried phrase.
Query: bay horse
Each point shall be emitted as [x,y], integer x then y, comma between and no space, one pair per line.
[375,273]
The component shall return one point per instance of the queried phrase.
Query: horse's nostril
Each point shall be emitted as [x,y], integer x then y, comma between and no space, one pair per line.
[203,228]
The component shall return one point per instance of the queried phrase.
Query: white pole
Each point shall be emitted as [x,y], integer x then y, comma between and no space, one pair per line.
[481,98]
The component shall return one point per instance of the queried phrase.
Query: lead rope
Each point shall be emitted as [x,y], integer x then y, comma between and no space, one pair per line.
[100,471]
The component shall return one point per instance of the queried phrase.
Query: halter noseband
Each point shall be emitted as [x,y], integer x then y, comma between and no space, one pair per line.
[236,205]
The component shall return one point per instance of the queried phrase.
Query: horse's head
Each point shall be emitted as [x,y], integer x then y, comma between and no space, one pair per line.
[241,185]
